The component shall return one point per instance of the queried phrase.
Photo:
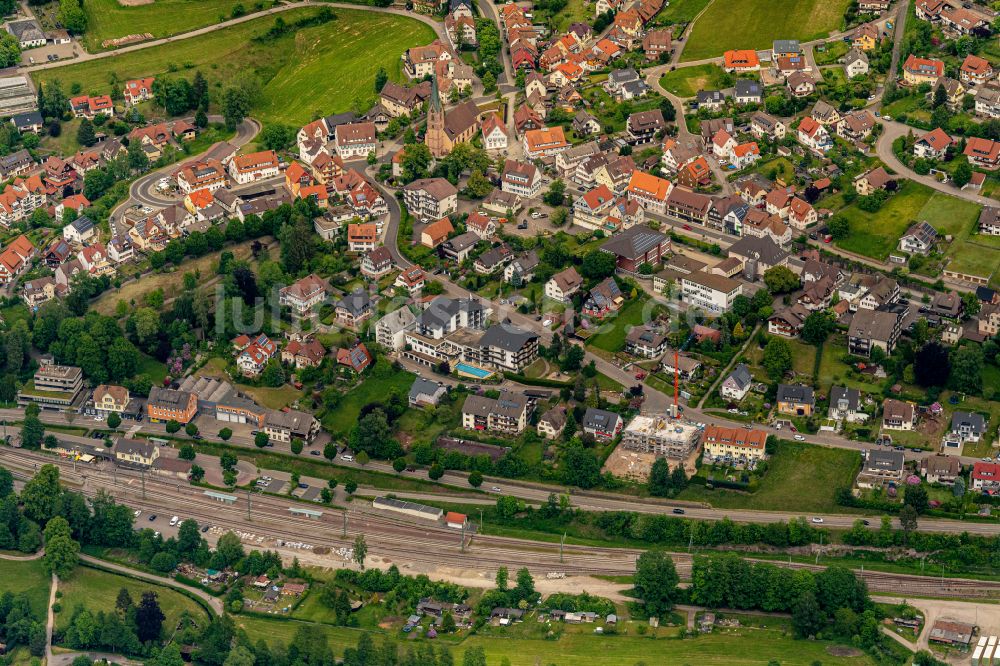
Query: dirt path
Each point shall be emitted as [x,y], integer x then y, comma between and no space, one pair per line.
[50,619]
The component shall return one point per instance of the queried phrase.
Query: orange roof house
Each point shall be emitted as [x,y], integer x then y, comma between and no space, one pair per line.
[744,60]
[436,233]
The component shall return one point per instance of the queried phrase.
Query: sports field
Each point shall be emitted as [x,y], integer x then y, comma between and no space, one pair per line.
[110,19]
[324,69]
[754,24]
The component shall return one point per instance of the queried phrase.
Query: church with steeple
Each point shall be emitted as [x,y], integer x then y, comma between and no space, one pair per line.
[447,128]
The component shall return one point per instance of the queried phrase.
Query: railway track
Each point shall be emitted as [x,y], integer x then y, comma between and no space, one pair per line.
[407,543]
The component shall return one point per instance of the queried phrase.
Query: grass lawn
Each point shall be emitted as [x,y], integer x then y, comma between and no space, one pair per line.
[950,215]
[759,22]
[800,477]
[65,143]
[803,358]
[156,370]
[172,283]
[876,235]
[779,167]
[108,19]
[833,371]
[332,65]
[341,419]
[976,255]
[687,81]
[97,590]
[613,330]
[833,51]
[272,398]
[755,646]
[29,577]
[681,11]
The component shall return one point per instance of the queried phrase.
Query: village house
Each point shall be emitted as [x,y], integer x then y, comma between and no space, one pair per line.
[933,144]
[430,198]
[795,399]
[898,415]
[922,70]
[245,169]
[563,285]
[304,296]
[845,405]
[362,237]
[737,384]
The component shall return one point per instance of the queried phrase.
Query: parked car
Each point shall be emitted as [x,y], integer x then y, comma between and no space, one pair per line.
[817,520]
[800,438]
[679,512]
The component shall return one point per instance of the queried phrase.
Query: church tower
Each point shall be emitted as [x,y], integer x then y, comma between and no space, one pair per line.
[435,138]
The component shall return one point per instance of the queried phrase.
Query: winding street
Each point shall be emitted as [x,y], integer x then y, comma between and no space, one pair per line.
[892,130]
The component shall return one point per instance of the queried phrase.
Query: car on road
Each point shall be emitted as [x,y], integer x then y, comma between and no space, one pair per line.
[347,458]
[314,453]
[495,489]
[915,449]
[197,436]
[152,517]
[886,117]
[303,486]
[800,438]
[205,529]
[733,410]
[640,375]
[987,459]
[138,512]
[174,521]
[547,322]
[865,522]
[686,227]
[679,512]
[817,520]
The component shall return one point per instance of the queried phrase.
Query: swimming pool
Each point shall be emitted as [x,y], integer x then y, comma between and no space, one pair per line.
[472,371]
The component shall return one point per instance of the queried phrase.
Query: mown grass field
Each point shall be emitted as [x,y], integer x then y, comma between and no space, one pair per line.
[976,255]
[26,576]
[755,646]
[800,477]
[97,590]
[324,69]
[342,418]
[876,235]
[681,11]
[108,19]
[613,329]
[687,81]
[756,23]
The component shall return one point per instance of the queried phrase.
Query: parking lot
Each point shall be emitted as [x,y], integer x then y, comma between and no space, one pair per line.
[48,53]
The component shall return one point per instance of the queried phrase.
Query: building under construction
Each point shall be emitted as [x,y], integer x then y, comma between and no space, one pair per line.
[661,436]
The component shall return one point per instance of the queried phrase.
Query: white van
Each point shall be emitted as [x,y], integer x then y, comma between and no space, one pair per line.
[347,458]
[174,521]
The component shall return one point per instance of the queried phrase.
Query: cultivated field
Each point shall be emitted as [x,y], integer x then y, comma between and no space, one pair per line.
[756,23]
[108,19]
[330,67]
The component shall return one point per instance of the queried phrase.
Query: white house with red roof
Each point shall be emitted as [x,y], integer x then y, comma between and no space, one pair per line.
[723,144]
[255,355]
[814,136]
[744,154]
[983,153]
[302,296]
[933,145]
[494,133]
[88,107]
[801,214]
[590,208]
[254,166]
[15,259]
[649,191]
[975,70]
[138,90]
[94,259]
[985,477]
